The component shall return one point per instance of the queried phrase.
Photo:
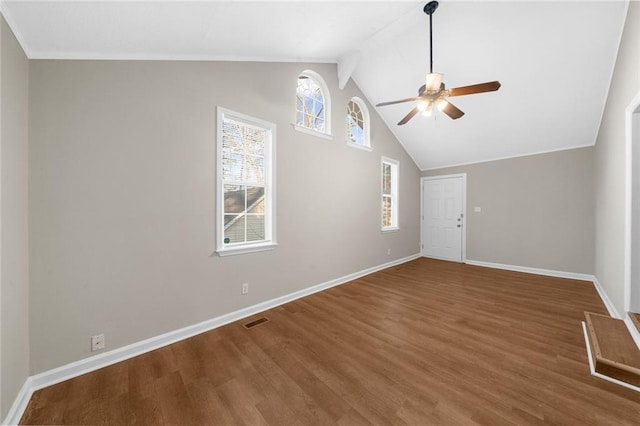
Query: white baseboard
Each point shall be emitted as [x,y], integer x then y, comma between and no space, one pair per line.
[611,308]
[83,366]
[592,367]
[528,270]
[19,404]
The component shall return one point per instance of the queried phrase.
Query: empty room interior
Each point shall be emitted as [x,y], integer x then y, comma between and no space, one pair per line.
[320,212]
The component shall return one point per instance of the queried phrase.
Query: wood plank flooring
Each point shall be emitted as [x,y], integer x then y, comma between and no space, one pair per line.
[426,342]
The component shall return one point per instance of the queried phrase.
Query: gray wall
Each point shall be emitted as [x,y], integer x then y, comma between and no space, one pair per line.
[537,211]
[610,163]
[14,284]
[122,207]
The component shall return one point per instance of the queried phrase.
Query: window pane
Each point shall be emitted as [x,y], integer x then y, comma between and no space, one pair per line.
[355,130]
[232,137]
[232,165]
[310,104]
[255,140]
[356,123]
[234,229]
[254,195]
[386,178]
[254,169]
[255,227]
[258,206]
[234,199]
[386,212]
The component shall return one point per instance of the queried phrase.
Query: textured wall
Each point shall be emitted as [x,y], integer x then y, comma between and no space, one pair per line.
[14,291]
[610,163]
[122,198]
[537,211]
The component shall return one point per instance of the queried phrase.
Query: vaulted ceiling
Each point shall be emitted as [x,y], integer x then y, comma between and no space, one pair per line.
[554,59]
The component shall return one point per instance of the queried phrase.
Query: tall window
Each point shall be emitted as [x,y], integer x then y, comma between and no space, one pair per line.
[245,192]
[389,194]
[312,104]
[357,124]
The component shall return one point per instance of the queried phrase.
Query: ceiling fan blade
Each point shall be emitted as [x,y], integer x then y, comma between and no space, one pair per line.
[452,111]
[398,102]
[408,117]
[491,86]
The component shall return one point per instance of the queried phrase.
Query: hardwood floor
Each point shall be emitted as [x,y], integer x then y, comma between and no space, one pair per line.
[426,342]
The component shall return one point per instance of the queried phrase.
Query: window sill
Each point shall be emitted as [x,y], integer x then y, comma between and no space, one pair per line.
[391,229]
[361,147]
[313,132]
[244,249]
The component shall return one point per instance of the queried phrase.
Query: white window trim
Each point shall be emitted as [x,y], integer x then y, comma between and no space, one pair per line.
[270,242]
[246,248]
[395,196]
[367,126]
[390,230]
[312,132]
[360,147]
[327,108]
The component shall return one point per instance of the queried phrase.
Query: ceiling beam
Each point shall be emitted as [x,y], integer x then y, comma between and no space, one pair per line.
[346,66]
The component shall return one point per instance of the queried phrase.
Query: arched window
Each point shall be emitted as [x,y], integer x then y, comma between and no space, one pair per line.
[358,124]
[313,103]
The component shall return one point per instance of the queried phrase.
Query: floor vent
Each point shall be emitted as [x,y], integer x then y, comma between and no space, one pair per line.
[255,322]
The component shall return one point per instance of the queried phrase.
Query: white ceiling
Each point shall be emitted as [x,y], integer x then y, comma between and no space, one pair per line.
[554,59]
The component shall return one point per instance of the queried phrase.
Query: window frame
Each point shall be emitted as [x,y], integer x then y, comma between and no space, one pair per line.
[365,122]
[326,96]
[269,243]
[394,195]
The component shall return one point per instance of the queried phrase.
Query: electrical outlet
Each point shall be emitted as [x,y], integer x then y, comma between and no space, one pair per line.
[388,251]
[245,288]
[97,342]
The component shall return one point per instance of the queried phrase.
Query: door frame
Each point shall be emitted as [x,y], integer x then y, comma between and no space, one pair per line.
[464,210]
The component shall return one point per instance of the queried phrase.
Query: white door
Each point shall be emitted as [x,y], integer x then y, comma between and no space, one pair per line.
[443,217]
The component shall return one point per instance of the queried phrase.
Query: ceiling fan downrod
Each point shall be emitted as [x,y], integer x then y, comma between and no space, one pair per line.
[429,9]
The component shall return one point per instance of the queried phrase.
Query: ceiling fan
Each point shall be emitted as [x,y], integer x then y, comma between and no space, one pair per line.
[434,93]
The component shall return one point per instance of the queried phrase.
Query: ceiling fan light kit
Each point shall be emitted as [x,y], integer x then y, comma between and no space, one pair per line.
[434,90]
